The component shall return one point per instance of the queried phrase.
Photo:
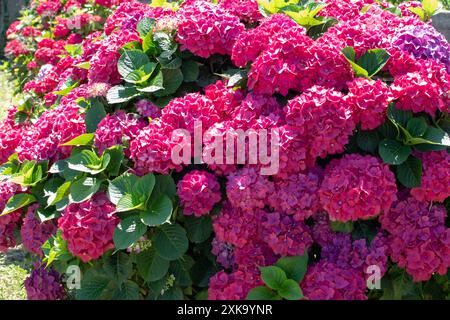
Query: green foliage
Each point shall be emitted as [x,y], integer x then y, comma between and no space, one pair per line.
[369,64]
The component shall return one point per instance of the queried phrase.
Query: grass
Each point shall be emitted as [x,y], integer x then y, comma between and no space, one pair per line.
[13,268]
[13,271]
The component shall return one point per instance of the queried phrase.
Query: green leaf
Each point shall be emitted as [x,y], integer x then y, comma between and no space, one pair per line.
[170,63]
[430,6]
[92,286]
[190,70]
[127,232]
[155,84]
[83,65]
[116,154]
[120,186]
[142,74]
[94,114]
[144,186]
[338,226]
[83,189]
[158,211]
[373,61]
[294,267]
[62,192]
[198,229]
[262,293]
[181,269]
[66,88]
[118,267]
[145,26]
[409,173]
[417,126]
[393,152]
[170,241]
[131,60]
[151,266]
[172,79]
[87,161]
[148,45]
[85,139]
[127,290]
[437,136]
[290,290]
[30,173]
[130,202]
[17,202]
[120,94]
[398,116]
[74,50]
[368,140]
[273,276]
[349,54]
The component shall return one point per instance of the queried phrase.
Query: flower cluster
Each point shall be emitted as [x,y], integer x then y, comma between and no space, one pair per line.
[44,284]
[357,187]
[199,191]
[419,240]
[8,222]
[88,227]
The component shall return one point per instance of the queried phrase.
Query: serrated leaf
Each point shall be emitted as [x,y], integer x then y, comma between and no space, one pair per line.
[127,232]
[118,267]
[172,79]
[273,276]
[170,241]
[145,26]
[94,114]
[120,94]
[61,193]
[151,265]
[131,60]
[290,290]
[181,268]
[83,189]
[85,139]
[417,126]
[158,212]
[130,202]
[262,293]
[294,267]
[409,173]
[373,61]
[393,152]
[127,290]
[198,229]
[17,202]
[120,186]
[368,140]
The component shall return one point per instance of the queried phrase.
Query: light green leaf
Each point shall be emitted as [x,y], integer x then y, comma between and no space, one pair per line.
[273,276]
[17,202]
[158,212]
[83,189]
[85,139]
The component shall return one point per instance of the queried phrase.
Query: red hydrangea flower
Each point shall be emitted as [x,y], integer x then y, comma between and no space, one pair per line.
[435,177]
[297,195]
[44,284]
[225,99]
[420,241]
[369,100]
[48,8]
[147,109]
[104,62]
[357,187]
[248,190]
[323,117]
[327,281]
[206,29]
[246,10]
[223,252]
[284,235]
[34,233]
[233,286]
[115,129]
[151,151]
[199,191]
[88,227]
[9,221]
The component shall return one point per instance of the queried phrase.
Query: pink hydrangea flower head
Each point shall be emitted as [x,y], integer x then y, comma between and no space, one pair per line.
[235,226]
[44,284]
[357,187]
[147,109]
[206,29]
[284,235]
[246,10]
[151,150]
[248,190]
[116,128]
[419,240]
[324,118]
[297,195]
[435,177]
[8,222]
[233,286]
[88,227]
[252,42]
[224,253]
[369,100]
[327,281]
[34,233]
[199,191]
[225,99]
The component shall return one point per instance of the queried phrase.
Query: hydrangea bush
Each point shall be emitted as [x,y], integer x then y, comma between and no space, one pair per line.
[355,94]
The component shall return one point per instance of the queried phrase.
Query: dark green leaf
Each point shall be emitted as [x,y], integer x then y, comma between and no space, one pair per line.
[273,276]
[338,226]
[294,267]
[131,60]
[120,186]
[417,126]
[198,229]
[120,94]
[409,173]
[262,293]
[181,268]
[368,140]
[151,266]
[290,290]
[127,232]
[170,241]
[374,60]
[172,81]
[94,114]
[145,26]
[118,267]
[127,290]
[190,70]
[393,152]
[158,212]
[83,189]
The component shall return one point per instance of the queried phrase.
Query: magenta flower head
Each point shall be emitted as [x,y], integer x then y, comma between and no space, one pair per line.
[34,233]
[199,191]
[10,221]
[357,187]
[44,284]
[88,227]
